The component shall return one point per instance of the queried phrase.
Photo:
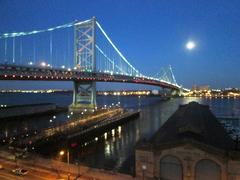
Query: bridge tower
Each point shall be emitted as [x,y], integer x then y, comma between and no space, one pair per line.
[84,93]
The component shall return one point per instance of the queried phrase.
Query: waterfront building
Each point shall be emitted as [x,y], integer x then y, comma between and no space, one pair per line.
[190,145]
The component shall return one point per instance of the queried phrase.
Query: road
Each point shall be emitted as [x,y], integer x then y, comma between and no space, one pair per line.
[33,174]
[38,172]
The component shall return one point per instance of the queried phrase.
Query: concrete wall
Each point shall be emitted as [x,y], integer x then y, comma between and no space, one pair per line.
[15,111]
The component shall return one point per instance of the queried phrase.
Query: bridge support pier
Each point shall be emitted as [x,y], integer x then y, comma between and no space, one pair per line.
[84,96]
[168,93]
[176,93]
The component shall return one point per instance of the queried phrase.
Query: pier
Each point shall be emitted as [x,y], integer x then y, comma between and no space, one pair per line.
[106,124]
[84,125]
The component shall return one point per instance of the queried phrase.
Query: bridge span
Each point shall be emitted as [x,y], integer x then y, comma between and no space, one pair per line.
[95,59]
[30,73]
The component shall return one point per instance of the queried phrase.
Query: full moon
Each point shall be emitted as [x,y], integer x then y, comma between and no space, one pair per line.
[190,45]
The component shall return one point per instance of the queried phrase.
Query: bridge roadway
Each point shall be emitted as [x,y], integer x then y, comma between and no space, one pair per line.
[15,72]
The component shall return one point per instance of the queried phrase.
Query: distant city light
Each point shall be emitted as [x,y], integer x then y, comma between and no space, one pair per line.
[190,45]
[63,67]
[30,63]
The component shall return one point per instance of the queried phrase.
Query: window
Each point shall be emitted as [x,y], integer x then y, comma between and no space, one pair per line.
[207,170]
[170,168]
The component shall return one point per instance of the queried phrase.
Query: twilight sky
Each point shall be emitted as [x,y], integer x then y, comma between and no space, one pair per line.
[150,33]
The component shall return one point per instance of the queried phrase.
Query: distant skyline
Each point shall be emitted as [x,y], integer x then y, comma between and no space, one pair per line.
[150,33]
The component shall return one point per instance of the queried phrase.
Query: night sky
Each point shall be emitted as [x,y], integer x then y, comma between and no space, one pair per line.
[150,33]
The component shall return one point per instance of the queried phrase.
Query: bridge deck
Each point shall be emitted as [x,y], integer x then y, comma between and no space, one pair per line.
[11,72]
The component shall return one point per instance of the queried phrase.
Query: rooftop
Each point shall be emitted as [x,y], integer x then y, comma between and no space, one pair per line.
[193,122]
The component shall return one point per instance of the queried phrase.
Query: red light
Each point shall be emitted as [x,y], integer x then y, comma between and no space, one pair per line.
[73,145]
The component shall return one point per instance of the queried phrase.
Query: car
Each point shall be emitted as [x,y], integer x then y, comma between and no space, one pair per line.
[20,172]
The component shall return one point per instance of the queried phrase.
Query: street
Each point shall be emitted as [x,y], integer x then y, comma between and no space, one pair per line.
[33,173]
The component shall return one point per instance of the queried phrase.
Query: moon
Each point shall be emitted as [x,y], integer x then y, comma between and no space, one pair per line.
[190,45]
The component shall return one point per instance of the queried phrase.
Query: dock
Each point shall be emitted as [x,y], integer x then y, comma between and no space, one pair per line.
[106,124]
[91,124]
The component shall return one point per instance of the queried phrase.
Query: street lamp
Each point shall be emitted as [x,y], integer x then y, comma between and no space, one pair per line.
[61,153]
[144,168]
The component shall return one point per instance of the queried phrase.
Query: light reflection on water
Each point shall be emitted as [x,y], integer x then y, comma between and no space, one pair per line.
[115,149]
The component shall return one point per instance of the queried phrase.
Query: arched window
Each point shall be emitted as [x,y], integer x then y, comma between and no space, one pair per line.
[170,168]
[207,170]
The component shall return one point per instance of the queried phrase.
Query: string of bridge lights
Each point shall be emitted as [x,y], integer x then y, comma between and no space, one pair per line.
[17,34]
[134,71]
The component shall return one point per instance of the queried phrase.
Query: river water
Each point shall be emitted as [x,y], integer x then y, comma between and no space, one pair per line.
[113,150]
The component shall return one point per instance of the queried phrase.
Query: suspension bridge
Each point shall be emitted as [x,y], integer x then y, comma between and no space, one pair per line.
[80,51]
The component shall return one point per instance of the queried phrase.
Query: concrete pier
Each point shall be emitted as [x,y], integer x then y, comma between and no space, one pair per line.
[105,125]
[26,110]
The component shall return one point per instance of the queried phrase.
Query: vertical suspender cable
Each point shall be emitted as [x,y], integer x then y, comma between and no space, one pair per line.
[13,56]
[5,50]
[68,49]
[34,51]
[21,49]
[50,48]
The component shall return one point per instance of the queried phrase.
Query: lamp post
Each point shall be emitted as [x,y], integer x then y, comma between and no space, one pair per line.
[61,154]
[78,174]
[68,164]
[144,168]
